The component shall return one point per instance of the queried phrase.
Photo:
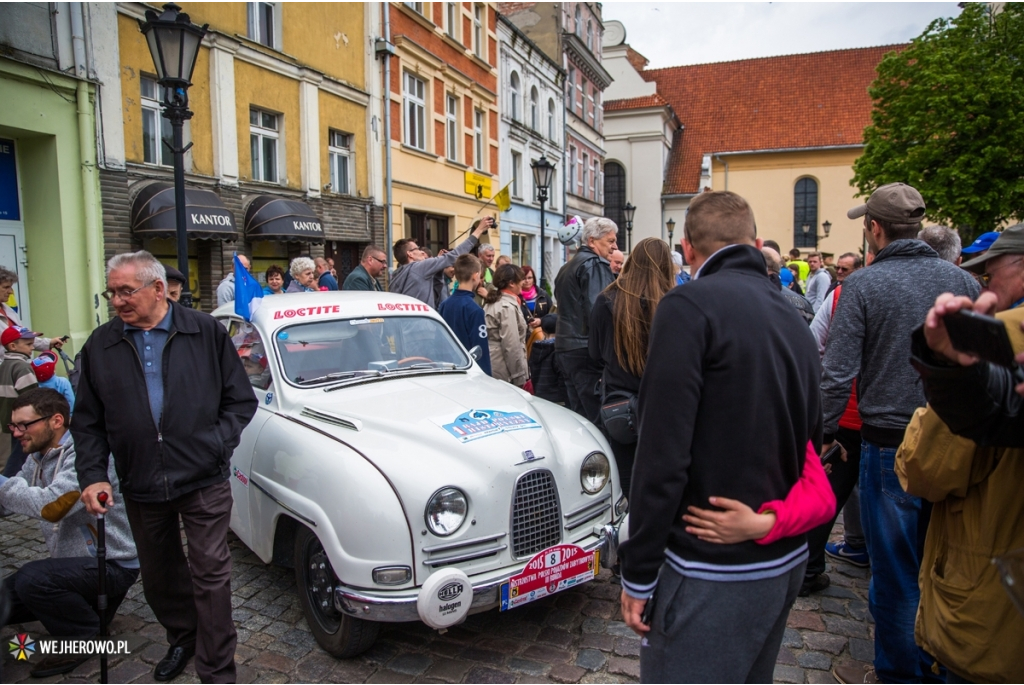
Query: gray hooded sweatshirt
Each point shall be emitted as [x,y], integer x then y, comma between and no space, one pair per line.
[424,279]
[870,337]
[47,489]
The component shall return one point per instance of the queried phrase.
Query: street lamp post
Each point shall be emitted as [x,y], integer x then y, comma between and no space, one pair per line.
[542,170]
[628,211]
[826,225]
[174,45]
[671,226]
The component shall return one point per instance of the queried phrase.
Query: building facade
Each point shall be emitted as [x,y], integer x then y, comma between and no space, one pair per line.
[444,120]
[286,140]
[571,33]
[531,126]
[50,218]
[783,132]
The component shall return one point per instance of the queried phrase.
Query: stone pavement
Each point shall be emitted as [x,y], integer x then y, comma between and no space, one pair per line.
[575,636]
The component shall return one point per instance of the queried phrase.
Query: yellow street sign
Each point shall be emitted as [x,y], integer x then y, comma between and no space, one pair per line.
[478,185]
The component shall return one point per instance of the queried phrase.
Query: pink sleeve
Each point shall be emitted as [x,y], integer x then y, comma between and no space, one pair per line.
[810,503]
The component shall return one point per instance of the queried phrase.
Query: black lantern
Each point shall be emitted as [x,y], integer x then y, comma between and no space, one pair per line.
[174,45]
[628,211]
[542,171]
[671,226]
[827,225]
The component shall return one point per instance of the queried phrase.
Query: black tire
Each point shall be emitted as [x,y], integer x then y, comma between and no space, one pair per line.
[340,635]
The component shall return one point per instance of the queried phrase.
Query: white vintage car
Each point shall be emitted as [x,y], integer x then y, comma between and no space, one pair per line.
[400,480]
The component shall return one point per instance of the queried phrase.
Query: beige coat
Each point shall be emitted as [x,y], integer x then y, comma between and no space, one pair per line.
[506,331]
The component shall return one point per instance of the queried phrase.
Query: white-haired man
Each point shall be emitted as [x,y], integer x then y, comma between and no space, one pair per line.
[163,390]
[577,285]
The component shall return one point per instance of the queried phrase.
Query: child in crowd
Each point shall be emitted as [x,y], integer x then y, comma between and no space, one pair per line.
[45,368]
[461,312]
[15,378]
[547,378]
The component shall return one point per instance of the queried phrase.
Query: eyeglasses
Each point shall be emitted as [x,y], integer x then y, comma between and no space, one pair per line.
[843,269]
[986,277]
[22,427]
[383,262]
[123,293]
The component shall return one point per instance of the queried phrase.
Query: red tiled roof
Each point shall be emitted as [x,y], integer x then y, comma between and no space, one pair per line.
[795,101]
[635,103]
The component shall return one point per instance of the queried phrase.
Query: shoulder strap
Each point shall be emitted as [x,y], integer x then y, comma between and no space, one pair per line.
[835,297]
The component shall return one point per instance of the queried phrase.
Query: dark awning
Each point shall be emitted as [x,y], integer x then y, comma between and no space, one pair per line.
[275,218]
[206,217]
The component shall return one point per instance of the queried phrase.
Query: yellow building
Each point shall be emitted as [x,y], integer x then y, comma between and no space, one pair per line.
[444,119]
[285,158]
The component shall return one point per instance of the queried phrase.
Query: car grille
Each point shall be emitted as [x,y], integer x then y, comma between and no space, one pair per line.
[535,514]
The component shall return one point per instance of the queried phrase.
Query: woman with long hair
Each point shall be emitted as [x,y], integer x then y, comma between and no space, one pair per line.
[506,327]
[620,328]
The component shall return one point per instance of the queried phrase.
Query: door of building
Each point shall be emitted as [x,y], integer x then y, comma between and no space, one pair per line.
[13,253]
[428,230]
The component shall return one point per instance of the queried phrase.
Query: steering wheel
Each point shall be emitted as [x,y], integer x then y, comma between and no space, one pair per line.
[408,360]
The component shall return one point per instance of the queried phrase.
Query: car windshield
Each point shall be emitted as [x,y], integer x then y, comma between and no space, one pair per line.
[351,348]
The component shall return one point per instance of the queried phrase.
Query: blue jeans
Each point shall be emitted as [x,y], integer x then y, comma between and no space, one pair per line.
[895,524]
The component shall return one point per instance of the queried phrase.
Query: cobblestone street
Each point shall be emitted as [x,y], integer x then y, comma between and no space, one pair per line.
[575,636]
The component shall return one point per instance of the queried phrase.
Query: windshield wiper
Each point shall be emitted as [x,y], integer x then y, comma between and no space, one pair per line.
[433,366]
[338,375]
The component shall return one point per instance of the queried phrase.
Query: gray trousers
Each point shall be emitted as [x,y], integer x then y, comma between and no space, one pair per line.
[853,531]
[717,632]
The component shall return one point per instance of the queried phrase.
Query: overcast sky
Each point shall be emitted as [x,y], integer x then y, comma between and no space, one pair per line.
[671,34]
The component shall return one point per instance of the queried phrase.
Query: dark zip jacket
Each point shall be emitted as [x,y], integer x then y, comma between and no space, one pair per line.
[208,400]
[728,402]
[577,286]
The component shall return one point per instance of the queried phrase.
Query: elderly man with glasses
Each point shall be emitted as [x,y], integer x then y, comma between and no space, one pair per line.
[364,276]
[60,591]
[163,390]
[1001,269]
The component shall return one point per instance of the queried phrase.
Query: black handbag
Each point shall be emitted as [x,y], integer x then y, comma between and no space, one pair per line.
[618,416]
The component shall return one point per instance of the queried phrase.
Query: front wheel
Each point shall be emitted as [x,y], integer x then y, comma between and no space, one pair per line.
[341,635]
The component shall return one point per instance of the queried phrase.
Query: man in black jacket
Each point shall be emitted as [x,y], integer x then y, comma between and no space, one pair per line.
[728,403]
[577,286]
[163,390]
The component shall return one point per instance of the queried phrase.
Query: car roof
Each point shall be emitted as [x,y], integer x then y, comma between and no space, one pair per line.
[276,310]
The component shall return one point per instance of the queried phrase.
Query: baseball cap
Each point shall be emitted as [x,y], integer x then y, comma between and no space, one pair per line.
[896,203]
[983,243]
[15,333]
[1010,241]
[44,366]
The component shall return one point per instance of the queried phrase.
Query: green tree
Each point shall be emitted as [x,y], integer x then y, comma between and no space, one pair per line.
[949,119]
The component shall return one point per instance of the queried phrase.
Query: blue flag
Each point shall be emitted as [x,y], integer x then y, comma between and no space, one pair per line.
[248,291]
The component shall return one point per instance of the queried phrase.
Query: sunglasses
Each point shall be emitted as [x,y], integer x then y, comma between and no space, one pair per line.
[986,277]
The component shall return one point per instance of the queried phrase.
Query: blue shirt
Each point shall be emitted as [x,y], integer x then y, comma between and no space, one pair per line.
[328,281]
[61,385]
[150,346]
[466,319]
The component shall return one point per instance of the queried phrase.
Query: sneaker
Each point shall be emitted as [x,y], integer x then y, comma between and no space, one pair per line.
[851,555]
[856,672]
[815,584]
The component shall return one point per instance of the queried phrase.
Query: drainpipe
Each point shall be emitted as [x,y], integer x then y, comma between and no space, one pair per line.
[726,171]
[87,153]
[389,221]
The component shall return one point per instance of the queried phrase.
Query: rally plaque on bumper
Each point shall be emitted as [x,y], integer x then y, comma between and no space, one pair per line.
[548,572]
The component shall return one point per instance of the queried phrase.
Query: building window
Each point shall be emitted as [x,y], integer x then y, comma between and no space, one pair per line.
[515,96]
[414,6]
[155,128]
[517,169]
[451,124]
[579,21]
[570,94]
[572,170]
[597,107]
[593,105]
[478,138]
[262,23]
[585,170]
[551,119]
[534,110]
[521,249]
[552,195]
[339,156]
[590,35]
[478,31]
[596,181]
[415,113]
[451,17]
[805,213]
[583,99]
[615,197]
[263,138]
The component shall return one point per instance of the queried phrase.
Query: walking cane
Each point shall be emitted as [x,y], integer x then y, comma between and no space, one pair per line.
[101,598]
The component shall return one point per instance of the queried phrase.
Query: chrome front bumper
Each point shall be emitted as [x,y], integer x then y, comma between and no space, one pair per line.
[399,606]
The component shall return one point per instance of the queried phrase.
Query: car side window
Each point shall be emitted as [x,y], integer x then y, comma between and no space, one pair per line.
[250,348]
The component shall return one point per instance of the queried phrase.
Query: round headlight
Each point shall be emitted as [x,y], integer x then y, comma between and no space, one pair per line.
[594,473]
[446,511]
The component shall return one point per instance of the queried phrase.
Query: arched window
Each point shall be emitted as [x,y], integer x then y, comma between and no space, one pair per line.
[551,119]
[615,198]
[590,35]
[515,96]
[805,213]
[579,21]
[534,110]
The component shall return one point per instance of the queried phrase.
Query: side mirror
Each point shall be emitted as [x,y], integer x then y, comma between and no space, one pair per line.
[476,353]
